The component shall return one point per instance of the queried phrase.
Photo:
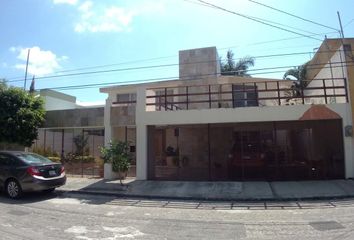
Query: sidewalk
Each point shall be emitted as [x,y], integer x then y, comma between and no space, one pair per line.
[236,191]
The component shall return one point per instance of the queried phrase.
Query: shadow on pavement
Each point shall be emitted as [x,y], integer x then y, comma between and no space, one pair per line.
[27,198]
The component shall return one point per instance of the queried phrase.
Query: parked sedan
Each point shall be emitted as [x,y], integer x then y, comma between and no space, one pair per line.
[25,172]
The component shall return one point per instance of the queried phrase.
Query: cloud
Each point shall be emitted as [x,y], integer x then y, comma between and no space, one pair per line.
[108,19]
[112,18]
[40,63]
[71,2]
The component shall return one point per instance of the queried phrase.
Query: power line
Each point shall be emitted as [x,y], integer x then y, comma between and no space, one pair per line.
[106,65]
[279,40]
[159,66]
[253,19]
[293,15]
[156,80]
[150,59]
[284,25]
[348,23]
[261,19]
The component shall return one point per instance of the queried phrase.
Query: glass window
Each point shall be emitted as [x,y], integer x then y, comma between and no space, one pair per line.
[126,98]
[123,97]
[4,160]
[32,158]
[245,95]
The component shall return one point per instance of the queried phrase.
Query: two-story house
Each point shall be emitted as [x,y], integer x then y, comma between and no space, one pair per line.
[206,126]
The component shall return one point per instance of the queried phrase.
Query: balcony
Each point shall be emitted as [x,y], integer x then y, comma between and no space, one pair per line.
[247,94]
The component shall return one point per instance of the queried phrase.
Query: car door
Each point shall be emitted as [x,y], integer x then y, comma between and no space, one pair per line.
[4,168]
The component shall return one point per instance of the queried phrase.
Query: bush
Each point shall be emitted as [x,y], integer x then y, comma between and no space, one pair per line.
[46,152]
[118,154]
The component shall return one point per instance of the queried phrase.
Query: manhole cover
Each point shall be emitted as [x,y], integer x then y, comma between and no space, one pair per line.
[326,225]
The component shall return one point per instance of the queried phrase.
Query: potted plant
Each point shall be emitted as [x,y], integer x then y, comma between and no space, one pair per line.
[118,156]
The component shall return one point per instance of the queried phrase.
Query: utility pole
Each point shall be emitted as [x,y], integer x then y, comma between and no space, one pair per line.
[28,54]
[340,24]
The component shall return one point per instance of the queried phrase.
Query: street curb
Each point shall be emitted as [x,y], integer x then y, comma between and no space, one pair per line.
[112,194]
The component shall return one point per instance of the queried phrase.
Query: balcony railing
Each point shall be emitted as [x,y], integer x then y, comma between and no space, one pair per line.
[247,94]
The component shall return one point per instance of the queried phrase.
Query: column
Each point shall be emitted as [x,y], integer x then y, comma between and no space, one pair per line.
[141,135]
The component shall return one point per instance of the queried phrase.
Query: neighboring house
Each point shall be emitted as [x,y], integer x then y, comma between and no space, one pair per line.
[205,126]
[65,121]
[54,100]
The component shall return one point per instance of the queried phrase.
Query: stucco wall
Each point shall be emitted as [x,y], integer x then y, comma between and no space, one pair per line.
[51,104]
[333,72]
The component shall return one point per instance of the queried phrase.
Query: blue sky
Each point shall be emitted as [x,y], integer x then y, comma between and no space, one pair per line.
[74,34]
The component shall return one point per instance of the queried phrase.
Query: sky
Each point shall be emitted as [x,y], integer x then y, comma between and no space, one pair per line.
[81,42]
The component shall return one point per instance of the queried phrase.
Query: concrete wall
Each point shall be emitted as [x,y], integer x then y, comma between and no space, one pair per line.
[196,63]
[333,72]
[85,117]
[51,103]
[122,115]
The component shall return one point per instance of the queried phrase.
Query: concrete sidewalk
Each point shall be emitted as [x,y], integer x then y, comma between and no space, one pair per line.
[236,191]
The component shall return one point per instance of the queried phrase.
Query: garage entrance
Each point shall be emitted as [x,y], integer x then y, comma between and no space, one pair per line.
[267,151]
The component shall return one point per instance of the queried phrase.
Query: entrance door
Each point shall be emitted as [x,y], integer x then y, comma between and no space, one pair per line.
[159,146]
[247,161]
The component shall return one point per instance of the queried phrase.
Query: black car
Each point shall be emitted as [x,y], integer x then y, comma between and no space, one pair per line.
[25,172]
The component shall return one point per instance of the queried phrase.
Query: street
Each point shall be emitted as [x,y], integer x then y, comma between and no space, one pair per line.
[63,215]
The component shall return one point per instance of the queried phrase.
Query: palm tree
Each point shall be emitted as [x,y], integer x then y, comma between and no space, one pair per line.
[299,75]
[240,68]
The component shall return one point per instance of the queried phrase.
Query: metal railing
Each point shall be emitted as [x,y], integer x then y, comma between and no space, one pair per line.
[247,94]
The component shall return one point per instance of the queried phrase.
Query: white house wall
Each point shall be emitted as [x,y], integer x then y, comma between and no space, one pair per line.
[333,69]
[58,104]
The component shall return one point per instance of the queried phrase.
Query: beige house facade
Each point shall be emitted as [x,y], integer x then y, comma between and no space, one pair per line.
[208,127]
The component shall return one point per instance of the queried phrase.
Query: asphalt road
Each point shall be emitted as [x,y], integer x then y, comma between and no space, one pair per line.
[75,216]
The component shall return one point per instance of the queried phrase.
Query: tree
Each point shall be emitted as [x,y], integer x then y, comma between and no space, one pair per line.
[231,68]
[80,142]
[21,114]
[299,75]
[117,153]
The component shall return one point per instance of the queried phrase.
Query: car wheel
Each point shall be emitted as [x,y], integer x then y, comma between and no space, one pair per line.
[13,189]
[50,190]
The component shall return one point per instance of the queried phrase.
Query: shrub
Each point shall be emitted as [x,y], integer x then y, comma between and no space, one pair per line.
[118,154]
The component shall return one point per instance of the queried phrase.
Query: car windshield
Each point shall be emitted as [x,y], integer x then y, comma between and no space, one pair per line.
[33,158]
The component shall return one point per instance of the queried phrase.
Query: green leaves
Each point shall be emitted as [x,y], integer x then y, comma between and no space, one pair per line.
[118,154]
[21,114]
[231,68]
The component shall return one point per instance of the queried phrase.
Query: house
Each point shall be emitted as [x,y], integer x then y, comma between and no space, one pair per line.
[205,126]
[68,125]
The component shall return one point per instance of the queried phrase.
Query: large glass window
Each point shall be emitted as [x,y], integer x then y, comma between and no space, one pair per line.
[245,95]
[297,150]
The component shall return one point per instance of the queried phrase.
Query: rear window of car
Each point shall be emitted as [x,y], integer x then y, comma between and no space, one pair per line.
[33,158]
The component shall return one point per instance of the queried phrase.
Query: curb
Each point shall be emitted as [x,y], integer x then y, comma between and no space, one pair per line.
[121,195]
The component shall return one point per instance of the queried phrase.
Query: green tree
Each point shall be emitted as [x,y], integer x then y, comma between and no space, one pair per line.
[299,75]
[80,142]
[231,68]
[21,114]
[117,153]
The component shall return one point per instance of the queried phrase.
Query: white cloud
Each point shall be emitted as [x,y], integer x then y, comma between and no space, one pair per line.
[112,18]
[71,2]
[108,19]
[40,63]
